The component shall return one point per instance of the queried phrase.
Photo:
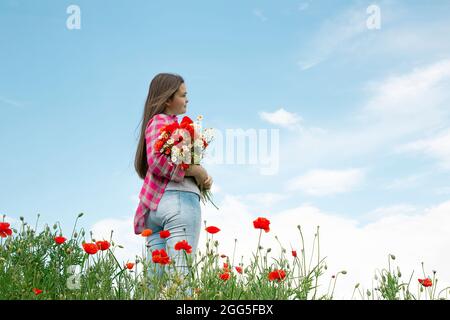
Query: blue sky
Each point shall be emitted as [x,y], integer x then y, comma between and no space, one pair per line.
[370,108]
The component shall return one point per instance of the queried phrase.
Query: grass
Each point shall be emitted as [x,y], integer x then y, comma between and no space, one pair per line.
[34,266]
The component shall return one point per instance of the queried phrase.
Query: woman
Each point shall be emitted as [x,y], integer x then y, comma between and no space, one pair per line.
[170,196]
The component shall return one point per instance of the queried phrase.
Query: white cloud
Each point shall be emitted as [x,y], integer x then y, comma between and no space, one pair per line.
[442,190]
[263,199]
[390,211]
[334,35]
[10,102]
[359,250]
[437,147]
[281,117]
[321,182]
[259,14]
[308,64]
[405,182]
[413,101]
[303,6]
[399,106]
[345,36]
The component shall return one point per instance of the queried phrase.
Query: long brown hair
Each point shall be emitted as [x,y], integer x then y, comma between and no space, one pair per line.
[162,88]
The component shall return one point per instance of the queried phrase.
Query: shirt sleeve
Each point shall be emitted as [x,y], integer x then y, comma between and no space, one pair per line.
[159,164]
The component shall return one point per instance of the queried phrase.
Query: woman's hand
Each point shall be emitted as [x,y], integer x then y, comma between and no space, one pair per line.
[201,177]
[208,183]
[199,173]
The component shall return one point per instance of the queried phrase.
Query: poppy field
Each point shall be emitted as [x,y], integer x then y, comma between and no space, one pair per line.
[47,264]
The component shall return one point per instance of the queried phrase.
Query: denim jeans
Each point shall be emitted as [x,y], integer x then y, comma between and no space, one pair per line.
[180,213]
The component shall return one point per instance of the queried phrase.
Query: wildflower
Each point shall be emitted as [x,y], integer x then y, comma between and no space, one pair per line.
[225,267]
[37,291]
[129,265]
[60,240]
[183,245]
[90,248]
[164,234]
[212,229]
[277,275]
[5,230]
[103,245]
[426,282]
[147,232]
[262,223]
[160,256]
[225,276]
[294,253]
[239,270]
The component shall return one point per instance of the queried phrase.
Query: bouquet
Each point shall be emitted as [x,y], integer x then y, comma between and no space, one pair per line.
[186,144]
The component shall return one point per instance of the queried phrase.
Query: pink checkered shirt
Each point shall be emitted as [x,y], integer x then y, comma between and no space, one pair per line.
[160,171]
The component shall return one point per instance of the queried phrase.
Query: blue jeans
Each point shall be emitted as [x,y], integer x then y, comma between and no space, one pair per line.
[180,213]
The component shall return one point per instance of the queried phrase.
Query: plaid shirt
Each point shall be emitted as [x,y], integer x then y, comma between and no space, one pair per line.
[160,171]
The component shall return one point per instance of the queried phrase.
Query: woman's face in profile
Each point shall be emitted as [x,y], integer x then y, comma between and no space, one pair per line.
[178,105]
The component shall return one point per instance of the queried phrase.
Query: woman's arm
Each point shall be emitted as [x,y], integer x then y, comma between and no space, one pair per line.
[198,172]
[159,164]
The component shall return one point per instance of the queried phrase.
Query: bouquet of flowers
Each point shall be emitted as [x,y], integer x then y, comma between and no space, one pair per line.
[186,144]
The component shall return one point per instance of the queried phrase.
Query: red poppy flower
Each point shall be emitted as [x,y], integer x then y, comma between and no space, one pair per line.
[183,245]
[147,232]
[262,223]
[160,256]
[37,291]
[129,265]
[5,230]
[277,275]
[239,269]
[158,145]
[212,229]
[426,282]
[167,130]
[294,253]
[187,124]
[225,267]
[225,276]
[103,245]
[164,234]
[90,248]
[60,240]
